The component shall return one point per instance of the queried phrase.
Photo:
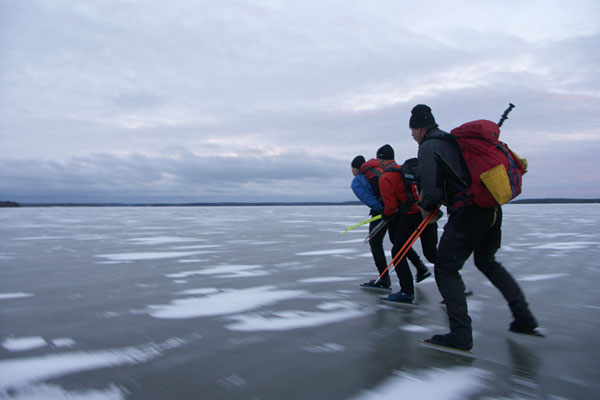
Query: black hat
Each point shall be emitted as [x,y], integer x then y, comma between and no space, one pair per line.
[358,161]
[421,117]
[385,152]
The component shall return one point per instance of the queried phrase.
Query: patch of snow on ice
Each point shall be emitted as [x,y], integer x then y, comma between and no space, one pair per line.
[511,248]
[19,295]
[192,292]
[540,277]
[232,381]
[325,279]
[162,240]
[41,238]
[55,392]
[354,241]
[550,235]
[565,245]
[414,328]
[326,252]
[23,343]
[63,342]
[202,246]
[148,255]
[434,384]
[295,319]
[325,348]
[229,302]
[18,372]
[227,271]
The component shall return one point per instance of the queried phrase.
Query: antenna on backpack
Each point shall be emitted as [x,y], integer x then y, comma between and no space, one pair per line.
[505,115]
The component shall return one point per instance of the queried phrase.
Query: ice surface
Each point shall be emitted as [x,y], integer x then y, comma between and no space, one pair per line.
[63,342]
[325,348]
[270,302]
[18,372]
[540,277]
[566,245]
[415,328]
[225,271]
[157,240]
[54,392]
[327,279]
[327,252]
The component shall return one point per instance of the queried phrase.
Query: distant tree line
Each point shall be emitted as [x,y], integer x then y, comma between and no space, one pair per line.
[9,204]
[553,200]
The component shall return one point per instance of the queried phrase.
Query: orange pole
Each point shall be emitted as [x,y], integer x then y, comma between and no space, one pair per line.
[411,240]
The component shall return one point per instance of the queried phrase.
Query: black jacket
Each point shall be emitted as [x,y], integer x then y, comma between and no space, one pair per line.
[443,169]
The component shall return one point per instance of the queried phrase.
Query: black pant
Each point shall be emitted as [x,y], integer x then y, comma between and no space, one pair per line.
[401,228]
[376,244]
[475,230]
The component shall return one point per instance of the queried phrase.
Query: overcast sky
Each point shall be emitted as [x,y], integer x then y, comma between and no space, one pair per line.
[193,101]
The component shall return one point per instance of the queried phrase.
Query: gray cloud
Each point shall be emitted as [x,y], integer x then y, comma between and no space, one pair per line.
[272,99]
[181,177]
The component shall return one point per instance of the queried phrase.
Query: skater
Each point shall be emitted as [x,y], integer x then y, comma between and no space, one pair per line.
[366,188]
[400,209]
[470,229]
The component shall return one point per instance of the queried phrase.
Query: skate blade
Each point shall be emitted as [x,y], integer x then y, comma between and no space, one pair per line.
[537,332]
[399,303]
[376,289]
[446,349]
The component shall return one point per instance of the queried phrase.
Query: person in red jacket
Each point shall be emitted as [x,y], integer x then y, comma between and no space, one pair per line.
[399,206]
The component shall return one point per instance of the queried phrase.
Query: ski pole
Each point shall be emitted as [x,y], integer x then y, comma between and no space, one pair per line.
[411,240]
[375,218]
[505,115]
[376,230]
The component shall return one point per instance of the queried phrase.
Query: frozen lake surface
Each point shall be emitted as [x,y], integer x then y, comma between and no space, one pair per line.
[264,303]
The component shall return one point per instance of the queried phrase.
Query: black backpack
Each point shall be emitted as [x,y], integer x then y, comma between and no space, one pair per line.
[411,172]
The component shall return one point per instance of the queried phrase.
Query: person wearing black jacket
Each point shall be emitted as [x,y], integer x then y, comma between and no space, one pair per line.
[470,230]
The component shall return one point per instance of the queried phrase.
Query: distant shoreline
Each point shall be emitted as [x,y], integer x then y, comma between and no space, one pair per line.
[270,204]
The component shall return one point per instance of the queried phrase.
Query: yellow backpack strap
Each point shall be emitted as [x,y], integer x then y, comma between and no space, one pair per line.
[522,161]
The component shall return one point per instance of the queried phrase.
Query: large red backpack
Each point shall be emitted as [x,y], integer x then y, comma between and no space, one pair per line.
[372,171]
[496,170]
[409,178]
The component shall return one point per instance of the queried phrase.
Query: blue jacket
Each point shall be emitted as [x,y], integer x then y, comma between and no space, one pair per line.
[363,190]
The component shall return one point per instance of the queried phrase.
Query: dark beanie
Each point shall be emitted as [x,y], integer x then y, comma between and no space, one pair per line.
[385,152]
[358,161]
[421,117]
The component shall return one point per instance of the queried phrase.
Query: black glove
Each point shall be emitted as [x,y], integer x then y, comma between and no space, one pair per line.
[387,218]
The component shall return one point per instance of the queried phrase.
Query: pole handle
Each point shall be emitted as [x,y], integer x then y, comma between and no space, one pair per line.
[505,114]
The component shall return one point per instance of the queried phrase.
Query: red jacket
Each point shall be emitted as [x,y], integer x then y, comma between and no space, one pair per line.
[393,192]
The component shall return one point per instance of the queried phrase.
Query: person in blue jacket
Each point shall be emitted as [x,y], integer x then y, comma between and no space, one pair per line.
[366,188]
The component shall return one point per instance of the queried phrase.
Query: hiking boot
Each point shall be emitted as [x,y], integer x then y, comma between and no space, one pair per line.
[447,341]
[382,284]
[423,276]
[401,297]
[528,327]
